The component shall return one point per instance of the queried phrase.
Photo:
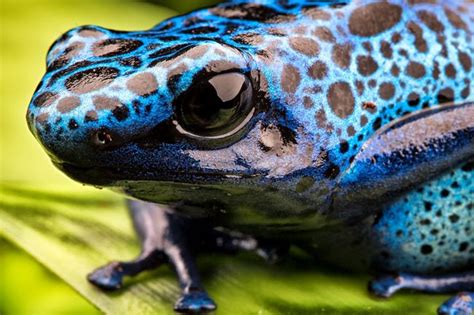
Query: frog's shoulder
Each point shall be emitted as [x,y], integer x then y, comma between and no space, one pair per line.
[413,149]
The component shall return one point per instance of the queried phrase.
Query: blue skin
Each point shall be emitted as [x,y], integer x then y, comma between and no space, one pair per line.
[337,139]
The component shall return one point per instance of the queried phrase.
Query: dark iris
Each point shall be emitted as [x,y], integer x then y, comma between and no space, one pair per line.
[217,107]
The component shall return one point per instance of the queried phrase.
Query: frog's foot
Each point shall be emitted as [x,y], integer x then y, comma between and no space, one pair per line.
[110,276]
[462,304]
[166,238]
[194,301]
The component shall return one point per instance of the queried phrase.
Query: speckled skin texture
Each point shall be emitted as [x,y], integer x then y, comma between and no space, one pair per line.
[361,134]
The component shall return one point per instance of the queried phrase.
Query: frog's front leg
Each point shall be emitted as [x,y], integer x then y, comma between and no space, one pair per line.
[461,304]
[165,237]
[169,238]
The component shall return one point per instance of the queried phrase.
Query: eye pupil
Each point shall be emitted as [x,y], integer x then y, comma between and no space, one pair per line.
[216,107]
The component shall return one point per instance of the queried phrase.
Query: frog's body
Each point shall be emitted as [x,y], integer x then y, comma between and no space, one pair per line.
[346,143]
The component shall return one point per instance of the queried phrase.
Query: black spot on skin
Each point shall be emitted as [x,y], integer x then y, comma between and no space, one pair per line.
[251,11]
[115,46]
[201,30]
[468,167]
[45,99]
[434,232]
[428,206]
[454,218]
[73,124]
[72,68]
[426,249]
[425,222]
[445,96]
[131,62]
[413,99]
[444,193]
[121,113]
[91,80]
[344,147]
[165,26]
[374,18]
[466,92]
[463,246]
[332,171]
[57,64]
[377,124]
[171,50]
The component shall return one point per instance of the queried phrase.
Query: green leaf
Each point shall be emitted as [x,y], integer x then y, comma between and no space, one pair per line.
[73,233]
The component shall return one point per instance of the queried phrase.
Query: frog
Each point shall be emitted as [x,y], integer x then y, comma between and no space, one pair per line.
[342,128]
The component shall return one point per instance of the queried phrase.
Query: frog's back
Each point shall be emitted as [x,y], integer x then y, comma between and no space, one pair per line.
[347,69]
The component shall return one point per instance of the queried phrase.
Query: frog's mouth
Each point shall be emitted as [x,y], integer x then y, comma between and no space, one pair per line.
[109,176]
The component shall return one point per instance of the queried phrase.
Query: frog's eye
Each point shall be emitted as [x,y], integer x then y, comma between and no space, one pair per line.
[216,108]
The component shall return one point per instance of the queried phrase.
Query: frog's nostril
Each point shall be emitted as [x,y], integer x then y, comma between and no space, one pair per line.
[103,138]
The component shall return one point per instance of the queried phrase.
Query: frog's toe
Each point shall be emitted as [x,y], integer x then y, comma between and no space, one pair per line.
[385,286]
[461,304]
[108,277]
[194,301]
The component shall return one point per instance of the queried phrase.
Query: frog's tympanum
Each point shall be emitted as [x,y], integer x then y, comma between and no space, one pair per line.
[340,127]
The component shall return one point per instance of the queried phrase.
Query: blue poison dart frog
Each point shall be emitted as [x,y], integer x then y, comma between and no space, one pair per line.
[345,128]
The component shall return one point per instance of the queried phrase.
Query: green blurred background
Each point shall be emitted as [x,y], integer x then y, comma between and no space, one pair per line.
[27,29]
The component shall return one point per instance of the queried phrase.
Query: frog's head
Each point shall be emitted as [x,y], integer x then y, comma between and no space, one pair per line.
[157,114]
[141,103]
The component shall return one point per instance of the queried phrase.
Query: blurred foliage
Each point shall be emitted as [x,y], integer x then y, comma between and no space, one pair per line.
[71,229]
[27,288]
[183,6]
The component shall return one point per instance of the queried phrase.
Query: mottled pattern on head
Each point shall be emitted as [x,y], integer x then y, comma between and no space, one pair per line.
[335,73]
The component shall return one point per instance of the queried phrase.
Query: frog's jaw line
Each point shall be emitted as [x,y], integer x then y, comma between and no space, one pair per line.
[108,176]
